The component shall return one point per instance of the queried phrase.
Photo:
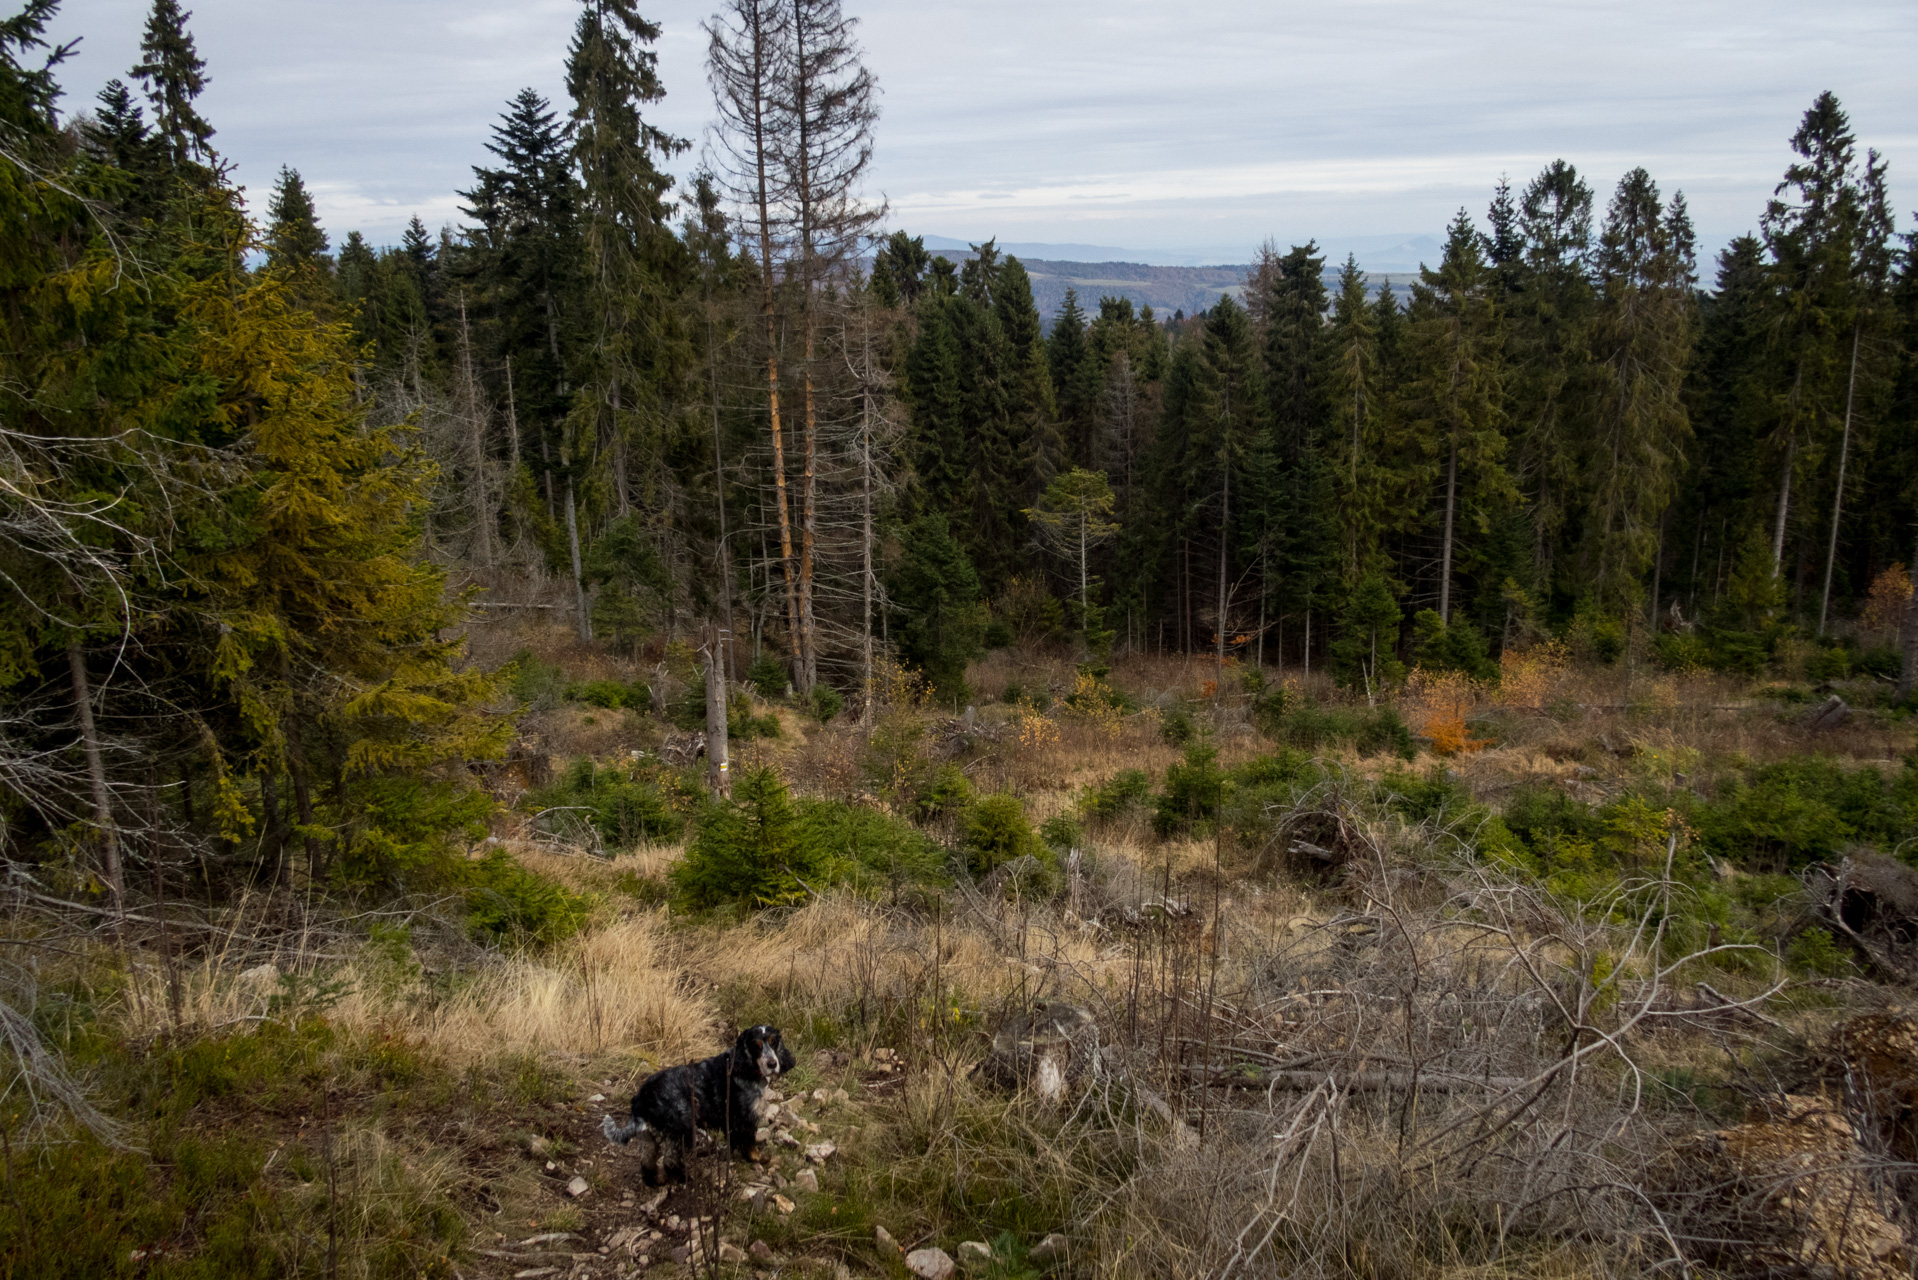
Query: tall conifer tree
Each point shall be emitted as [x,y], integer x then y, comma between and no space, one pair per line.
[174,76]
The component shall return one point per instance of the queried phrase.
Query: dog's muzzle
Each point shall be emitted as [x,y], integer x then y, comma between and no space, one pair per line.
[769,1062]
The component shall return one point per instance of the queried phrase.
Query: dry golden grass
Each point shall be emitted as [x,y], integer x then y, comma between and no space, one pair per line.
[566,733]
[616,988]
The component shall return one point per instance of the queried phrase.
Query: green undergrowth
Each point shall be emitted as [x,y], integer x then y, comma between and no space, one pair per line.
[1308,725]
[1018,1177]
[285,1149]
[508,904]
[765,848]
[625,805]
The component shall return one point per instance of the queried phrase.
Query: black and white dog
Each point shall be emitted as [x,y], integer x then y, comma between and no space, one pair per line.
[720,1093]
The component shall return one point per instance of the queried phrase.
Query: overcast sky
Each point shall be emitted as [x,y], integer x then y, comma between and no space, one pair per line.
[1194,128]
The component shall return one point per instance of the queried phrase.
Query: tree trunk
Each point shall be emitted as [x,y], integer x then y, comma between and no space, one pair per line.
[1908,675]
[1225,525]
[783,513]
[96,775]
[1658,567]
[1838,495]
[804,197]
[476,442]
[546,457]
[1784,510]
[808,648]
[1085,602]
[303,802]
[762,146]
[1262,585]
[719,479]
[865,525]
[273,828]
[1445,554]
[512,415]
[621,489]
[579,582]
[718,764]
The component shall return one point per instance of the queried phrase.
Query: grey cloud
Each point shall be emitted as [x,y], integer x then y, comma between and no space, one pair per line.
[1051,121]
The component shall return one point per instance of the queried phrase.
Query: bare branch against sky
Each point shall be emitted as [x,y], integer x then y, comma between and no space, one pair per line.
[1193,130]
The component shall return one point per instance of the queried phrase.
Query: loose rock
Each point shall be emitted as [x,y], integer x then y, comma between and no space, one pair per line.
[731,1253]
[576,1188]
[761,1250]
[974,1253]
[820,1152]
[783,1205]
[806,1180]
[1051,1249]
[930,1264]
[1049,1050]
[888,1246]
[1829,714]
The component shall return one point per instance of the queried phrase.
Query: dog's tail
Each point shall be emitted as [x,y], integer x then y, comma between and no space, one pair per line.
[621,1134]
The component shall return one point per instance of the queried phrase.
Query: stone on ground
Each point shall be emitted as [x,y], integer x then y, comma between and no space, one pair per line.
[1051,1249]
[930,1264]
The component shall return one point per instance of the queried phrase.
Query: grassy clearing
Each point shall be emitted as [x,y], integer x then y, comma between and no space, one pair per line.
[1254,897]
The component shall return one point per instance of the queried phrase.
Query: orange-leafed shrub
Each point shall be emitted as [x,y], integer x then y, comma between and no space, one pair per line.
[1529,678]
[1036,730]
[1890,597]
[1440,702]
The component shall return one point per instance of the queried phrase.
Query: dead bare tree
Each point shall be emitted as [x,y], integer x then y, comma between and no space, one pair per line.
[829,101]
[747,59]
[879,431]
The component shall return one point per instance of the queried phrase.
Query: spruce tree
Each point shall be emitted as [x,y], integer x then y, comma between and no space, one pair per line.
[938,613]
[1810,229]
[1352,380]
[524,264]
[933,393]
[1035,410]
[1075,380]
[174,76]
[294,240]
[632,353]
[1868,366]
[1549,304]
[1223,417]
[1730,388]
[1072,518]
[1456,397]
[1642,344]
[1293,312]
[899,270]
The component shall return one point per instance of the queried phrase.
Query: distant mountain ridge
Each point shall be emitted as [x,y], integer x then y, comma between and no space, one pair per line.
[1168,290]
[1170,286]
[1397,253]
